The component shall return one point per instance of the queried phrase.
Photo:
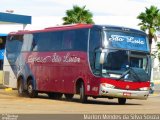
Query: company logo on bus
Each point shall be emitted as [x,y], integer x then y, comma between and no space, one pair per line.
[129,39]
[127,86]
[68,58]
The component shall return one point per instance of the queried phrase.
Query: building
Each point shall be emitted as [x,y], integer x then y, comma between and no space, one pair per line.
[10,19]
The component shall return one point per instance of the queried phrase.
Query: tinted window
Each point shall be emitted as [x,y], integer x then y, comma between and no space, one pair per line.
[27,42]
[42,41]
[75,40]
[14,44]
[13,48]
[68,40]
[95,40]
[48,41]
[61,40]
[81,40]
[94,44]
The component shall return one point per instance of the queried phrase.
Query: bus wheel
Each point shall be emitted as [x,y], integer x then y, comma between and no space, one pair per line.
[83,97]
[69,96]
[30,90]
[58,95]
[21,91]
[122,101]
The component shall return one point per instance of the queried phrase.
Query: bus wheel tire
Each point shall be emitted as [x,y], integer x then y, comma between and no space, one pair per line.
[83,97]
[122,101]
[68,96]
[21,91]
[30,90]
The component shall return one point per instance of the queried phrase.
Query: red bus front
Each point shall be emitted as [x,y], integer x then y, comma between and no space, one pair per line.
[120,63]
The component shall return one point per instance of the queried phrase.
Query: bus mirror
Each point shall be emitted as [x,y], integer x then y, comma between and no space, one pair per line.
[102,58]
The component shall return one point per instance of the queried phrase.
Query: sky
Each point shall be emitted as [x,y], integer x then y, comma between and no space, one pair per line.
[48,13]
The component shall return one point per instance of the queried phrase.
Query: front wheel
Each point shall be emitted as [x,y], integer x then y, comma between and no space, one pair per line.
[83,97]
[122,101]
[30,90]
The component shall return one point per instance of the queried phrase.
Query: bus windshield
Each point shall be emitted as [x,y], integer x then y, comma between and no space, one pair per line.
[118,62]
[124,53]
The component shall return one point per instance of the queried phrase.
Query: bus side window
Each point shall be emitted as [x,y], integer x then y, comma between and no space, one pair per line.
[68,38]
[13,41]
[56,41]
[94,43]
[34,43]
[81,40]
[27,42]
[40,42]
[14,48]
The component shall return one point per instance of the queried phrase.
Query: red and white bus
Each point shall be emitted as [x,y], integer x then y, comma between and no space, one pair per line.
[89,60]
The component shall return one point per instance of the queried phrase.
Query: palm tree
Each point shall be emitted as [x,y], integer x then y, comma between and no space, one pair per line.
[150,21]
[78,15]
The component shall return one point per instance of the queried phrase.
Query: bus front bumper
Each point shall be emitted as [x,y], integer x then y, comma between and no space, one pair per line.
[120,93]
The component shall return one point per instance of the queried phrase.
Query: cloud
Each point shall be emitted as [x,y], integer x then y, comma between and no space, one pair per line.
[58,7]
[47,13]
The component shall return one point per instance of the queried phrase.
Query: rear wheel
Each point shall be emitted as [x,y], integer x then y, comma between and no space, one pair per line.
[69,96]
[83,97]
[122,101]
[21,91]
[30,90]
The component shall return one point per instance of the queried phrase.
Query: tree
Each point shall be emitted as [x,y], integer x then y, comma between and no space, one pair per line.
[150,21]
[78,15]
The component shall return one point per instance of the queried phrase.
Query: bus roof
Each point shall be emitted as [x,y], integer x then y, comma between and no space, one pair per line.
[120,28]
[56,28]
[78,26]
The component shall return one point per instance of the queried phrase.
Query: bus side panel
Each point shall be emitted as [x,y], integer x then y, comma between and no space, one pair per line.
[57,71]
[74,68]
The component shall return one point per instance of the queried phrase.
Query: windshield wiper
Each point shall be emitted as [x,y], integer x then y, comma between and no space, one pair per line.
[125,73]
[132,74]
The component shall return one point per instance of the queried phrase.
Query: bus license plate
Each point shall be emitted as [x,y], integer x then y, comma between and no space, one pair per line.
[126,94]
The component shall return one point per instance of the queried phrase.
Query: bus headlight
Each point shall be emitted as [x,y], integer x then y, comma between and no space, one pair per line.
[106,85]
[144,88]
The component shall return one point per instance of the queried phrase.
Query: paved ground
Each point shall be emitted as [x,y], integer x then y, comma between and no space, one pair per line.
[12,104]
